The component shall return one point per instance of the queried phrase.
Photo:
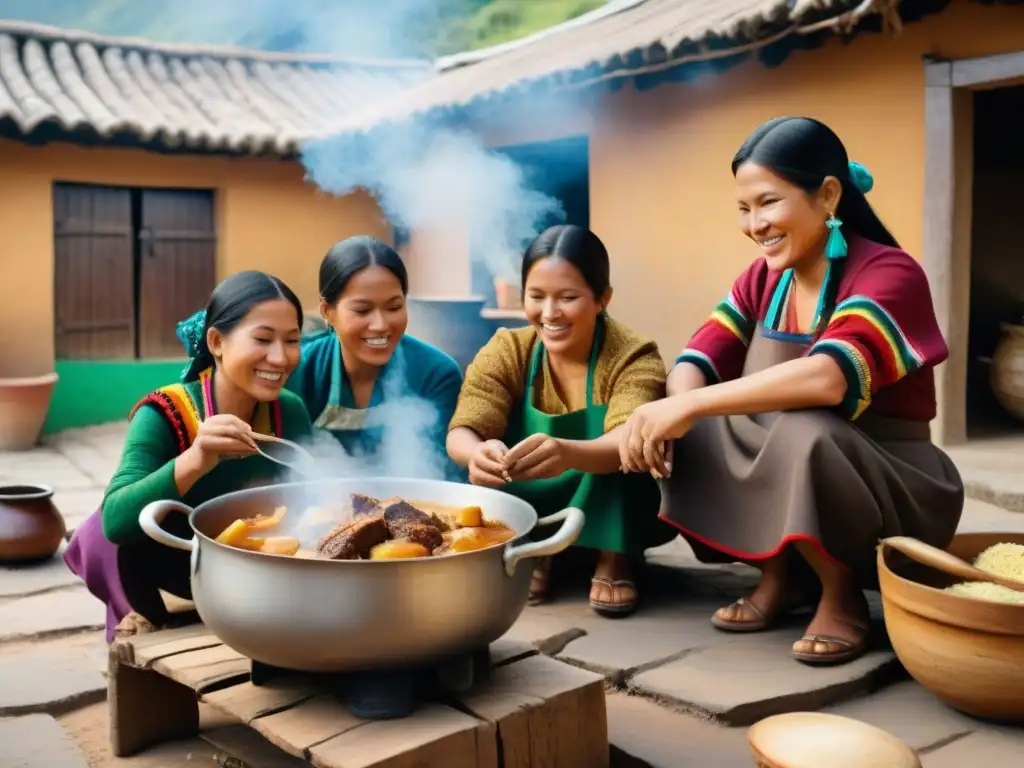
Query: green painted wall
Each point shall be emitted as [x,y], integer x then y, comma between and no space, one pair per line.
[98,391]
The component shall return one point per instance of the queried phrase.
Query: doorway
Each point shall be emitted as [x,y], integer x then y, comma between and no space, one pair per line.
[997,265]
[129,264]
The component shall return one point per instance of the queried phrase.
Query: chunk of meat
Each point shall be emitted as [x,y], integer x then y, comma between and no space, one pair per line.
[353,540]
[363,505]
[404,521]
[398,549]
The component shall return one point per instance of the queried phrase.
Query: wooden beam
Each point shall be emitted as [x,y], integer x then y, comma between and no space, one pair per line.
[987,70]
[937,256]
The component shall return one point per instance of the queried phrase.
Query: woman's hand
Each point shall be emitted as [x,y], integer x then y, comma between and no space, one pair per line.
[485,464]
[645,442]
[220,437]
[537,457]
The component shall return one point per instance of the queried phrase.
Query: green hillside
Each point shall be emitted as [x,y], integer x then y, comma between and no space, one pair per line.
[364,27]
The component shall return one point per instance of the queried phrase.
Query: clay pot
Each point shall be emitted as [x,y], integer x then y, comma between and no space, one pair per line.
[31,528]
[1007,375]
[964,650]
[802,739]
[507,295]
[23,407]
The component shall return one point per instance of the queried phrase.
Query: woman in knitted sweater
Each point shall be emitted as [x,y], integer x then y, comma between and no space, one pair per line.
[541,408]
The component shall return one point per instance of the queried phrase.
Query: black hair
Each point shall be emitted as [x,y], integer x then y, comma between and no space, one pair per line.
[579,247]
[233,299]
[347,258]
[804,152]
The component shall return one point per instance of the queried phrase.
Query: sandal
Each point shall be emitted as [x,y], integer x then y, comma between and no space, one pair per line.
[540,582]
[762,620]
[613,610]
[834,650]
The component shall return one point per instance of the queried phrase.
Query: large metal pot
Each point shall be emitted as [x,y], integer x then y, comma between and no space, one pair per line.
[328,615]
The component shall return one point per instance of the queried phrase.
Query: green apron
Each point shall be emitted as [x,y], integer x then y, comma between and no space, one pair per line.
[613,523]
[359,430]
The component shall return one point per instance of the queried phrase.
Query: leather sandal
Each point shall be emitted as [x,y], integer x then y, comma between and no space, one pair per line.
[540,582]
[763,619]
[833,650]
[609,609]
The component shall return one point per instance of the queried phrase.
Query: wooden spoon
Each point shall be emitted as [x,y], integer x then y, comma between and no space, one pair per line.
[306,457]
[943,561]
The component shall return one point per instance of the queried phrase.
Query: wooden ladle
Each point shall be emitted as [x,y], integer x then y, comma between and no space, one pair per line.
[943,561]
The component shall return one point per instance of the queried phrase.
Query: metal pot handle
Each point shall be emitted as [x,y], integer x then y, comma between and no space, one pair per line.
[563,538]
[153,514]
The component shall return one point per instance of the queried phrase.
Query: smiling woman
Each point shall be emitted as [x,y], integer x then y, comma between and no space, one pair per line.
[349,374]
[241,349]
[542,407]
[798,413]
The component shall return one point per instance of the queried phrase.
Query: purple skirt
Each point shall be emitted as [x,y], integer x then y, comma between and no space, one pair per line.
[127,578]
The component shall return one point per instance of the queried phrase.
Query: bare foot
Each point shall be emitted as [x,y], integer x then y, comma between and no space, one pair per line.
[612,590]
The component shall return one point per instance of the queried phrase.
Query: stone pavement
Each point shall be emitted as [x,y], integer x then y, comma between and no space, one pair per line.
[680,693]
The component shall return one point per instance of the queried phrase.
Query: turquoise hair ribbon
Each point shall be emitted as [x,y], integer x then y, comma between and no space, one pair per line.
[861,178]
[192,334]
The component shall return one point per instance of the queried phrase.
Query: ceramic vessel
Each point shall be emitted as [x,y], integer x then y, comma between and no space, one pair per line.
[802,739]
[964,650]
[507,295]
[1007,376]
[23,407]
[31,528]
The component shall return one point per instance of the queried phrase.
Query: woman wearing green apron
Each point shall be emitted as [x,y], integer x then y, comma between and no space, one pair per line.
[380,392]
[541,408]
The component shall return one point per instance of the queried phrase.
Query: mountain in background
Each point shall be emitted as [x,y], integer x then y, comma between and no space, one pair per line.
[354,27]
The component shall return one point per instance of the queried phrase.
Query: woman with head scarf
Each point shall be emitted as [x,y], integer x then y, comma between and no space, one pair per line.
[193,441]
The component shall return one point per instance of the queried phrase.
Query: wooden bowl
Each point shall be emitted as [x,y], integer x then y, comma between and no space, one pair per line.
[815,740]
[968,652]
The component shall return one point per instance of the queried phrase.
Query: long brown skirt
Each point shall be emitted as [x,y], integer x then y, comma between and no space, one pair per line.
[744,487]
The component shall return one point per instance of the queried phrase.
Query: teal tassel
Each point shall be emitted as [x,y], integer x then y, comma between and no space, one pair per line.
[835,248]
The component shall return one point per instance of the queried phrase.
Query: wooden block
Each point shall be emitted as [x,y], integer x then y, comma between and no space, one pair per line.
[505,651]
[310,722]
[201,670]
[147,708]
[547,714]
[192,637]
[241,747]
[435,736]
[246,701]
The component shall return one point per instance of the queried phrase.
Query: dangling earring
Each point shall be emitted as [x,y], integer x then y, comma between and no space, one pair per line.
[835,248]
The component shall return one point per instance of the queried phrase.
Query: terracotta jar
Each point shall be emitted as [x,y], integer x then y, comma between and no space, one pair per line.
[23,407]
[1007,375]
[31,528]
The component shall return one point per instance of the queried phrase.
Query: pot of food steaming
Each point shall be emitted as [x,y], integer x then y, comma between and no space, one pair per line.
[389,602]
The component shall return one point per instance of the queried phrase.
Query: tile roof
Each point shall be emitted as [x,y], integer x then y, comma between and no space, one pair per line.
[620,39]
[208,98]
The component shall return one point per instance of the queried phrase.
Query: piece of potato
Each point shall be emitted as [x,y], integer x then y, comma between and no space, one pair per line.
[266,522]
[472,539]
[254,544]
[234,533]
[468,517]
[280,545]
[397,549]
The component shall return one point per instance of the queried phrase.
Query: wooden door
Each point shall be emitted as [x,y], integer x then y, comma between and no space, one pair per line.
[177,257]
[94,274]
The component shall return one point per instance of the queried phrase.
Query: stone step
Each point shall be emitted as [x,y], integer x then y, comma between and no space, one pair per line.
[34,741]
[53,679]
[61,611]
